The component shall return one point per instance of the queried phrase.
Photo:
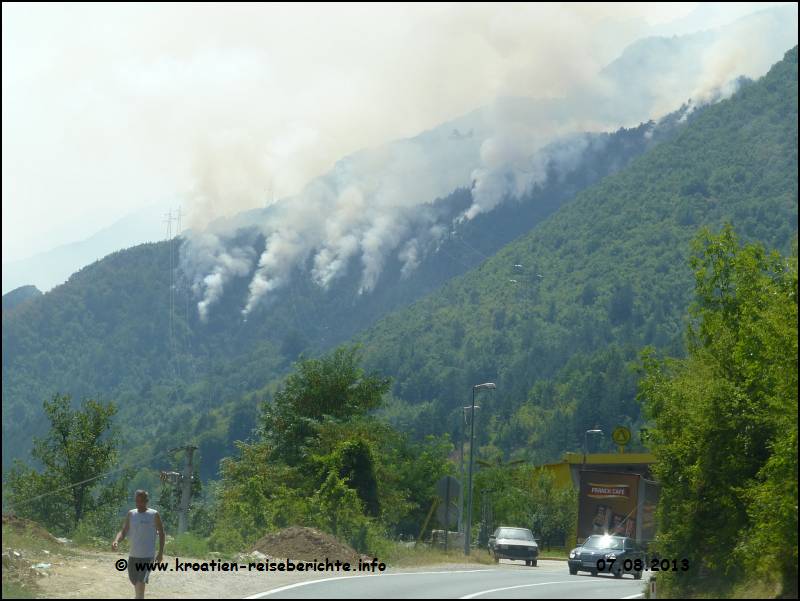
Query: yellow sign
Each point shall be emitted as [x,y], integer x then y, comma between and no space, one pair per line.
[621,435]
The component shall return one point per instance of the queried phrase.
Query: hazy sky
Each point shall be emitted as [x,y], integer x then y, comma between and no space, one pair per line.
[107,108]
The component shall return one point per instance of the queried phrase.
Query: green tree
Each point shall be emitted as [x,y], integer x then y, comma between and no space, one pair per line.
[79,449]
[357,467]
[339,506]
[725,422]
[324,459]
[334,387]
[527,497]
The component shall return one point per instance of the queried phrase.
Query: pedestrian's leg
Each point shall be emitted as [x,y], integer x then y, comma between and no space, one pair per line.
[139,590]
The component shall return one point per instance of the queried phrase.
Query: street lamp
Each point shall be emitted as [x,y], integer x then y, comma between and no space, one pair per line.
[461,467]
[585,441]
[468,522]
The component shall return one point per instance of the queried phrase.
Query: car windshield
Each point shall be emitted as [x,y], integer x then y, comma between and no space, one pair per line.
[603,542]
[516,533]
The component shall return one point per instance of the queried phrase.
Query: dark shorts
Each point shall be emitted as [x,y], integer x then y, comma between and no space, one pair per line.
[142,573]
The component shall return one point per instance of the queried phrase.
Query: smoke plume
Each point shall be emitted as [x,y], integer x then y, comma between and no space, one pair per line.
[378,202]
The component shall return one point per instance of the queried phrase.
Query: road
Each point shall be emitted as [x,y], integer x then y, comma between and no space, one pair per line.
[505,581]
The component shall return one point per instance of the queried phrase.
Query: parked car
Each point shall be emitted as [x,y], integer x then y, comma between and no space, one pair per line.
[514,543]
[597,552]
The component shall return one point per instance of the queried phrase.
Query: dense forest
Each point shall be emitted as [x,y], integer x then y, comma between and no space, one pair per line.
[107,332]
[19,296]
[558,317]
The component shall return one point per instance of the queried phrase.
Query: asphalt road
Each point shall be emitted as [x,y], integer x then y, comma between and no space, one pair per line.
[550,580]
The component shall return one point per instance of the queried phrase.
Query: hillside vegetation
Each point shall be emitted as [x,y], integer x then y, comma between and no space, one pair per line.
[603,277]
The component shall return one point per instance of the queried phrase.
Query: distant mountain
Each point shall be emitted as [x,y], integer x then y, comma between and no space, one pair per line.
[50,268]
[18,296]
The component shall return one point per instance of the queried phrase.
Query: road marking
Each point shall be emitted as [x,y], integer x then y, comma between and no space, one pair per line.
[508,588]
[298,584]
[634,596]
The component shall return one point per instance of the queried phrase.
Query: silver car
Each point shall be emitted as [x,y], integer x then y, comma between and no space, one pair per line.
[514,543]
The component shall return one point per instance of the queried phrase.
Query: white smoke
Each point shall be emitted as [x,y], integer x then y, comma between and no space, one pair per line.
[220,262]
[376,204]
[652,78]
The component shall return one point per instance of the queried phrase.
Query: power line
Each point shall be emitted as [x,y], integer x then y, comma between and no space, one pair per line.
[168,219]
[103,475]
[452,257]
[460,239]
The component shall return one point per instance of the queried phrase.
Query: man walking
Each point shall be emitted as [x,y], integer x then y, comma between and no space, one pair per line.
[141,525]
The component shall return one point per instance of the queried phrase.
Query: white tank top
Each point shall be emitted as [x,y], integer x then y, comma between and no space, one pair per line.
[142,532]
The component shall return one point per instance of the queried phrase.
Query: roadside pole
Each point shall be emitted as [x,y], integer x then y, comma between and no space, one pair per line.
[186,489]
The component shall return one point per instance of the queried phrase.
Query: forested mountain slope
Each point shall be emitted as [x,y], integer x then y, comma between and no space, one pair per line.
[107,332]
[613,277]
[600,279]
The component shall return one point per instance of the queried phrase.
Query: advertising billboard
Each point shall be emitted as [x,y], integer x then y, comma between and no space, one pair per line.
[607,504]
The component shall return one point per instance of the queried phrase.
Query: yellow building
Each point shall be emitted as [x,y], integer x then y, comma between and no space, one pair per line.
[567,471]
[616,492]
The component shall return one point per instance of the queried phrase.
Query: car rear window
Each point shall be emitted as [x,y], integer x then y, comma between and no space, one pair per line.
[516,533]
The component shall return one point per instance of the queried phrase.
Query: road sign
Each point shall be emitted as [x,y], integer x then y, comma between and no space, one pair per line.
[621,435]
[448,489]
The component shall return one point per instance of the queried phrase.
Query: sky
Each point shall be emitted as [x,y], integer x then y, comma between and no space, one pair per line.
[110,108]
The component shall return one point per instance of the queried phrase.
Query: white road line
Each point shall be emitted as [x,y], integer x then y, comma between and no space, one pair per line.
[508,588]
[306,583]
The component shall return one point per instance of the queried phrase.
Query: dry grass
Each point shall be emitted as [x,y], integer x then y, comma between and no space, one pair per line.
[403,556]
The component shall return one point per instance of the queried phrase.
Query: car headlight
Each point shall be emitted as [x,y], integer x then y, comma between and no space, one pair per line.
[572,554]
[611,556]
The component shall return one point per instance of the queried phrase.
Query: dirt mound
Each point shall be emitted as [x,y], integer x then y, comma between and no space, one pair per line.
[22,525]
[306,544]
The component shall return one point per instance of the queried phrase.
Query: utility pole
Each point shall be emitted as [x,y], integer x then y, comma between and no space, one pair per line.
[185,482]
[186,489]
[178,218]
[168,219]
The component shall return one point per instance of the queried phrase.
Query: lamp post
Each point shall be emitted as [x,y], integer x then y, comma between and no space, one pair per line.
[468,521]
[595,430]
[461,474]
[461,466]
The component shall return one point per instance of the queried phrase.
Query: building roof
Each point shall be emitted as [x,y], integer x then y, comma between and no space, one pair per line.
[609,458]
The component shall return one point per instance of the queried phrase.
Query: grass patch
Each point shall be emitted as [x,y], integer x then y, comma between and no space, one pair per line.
[405,556]
[756,589]
[187,545]
[553,553]
[15,590]
[29,540]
